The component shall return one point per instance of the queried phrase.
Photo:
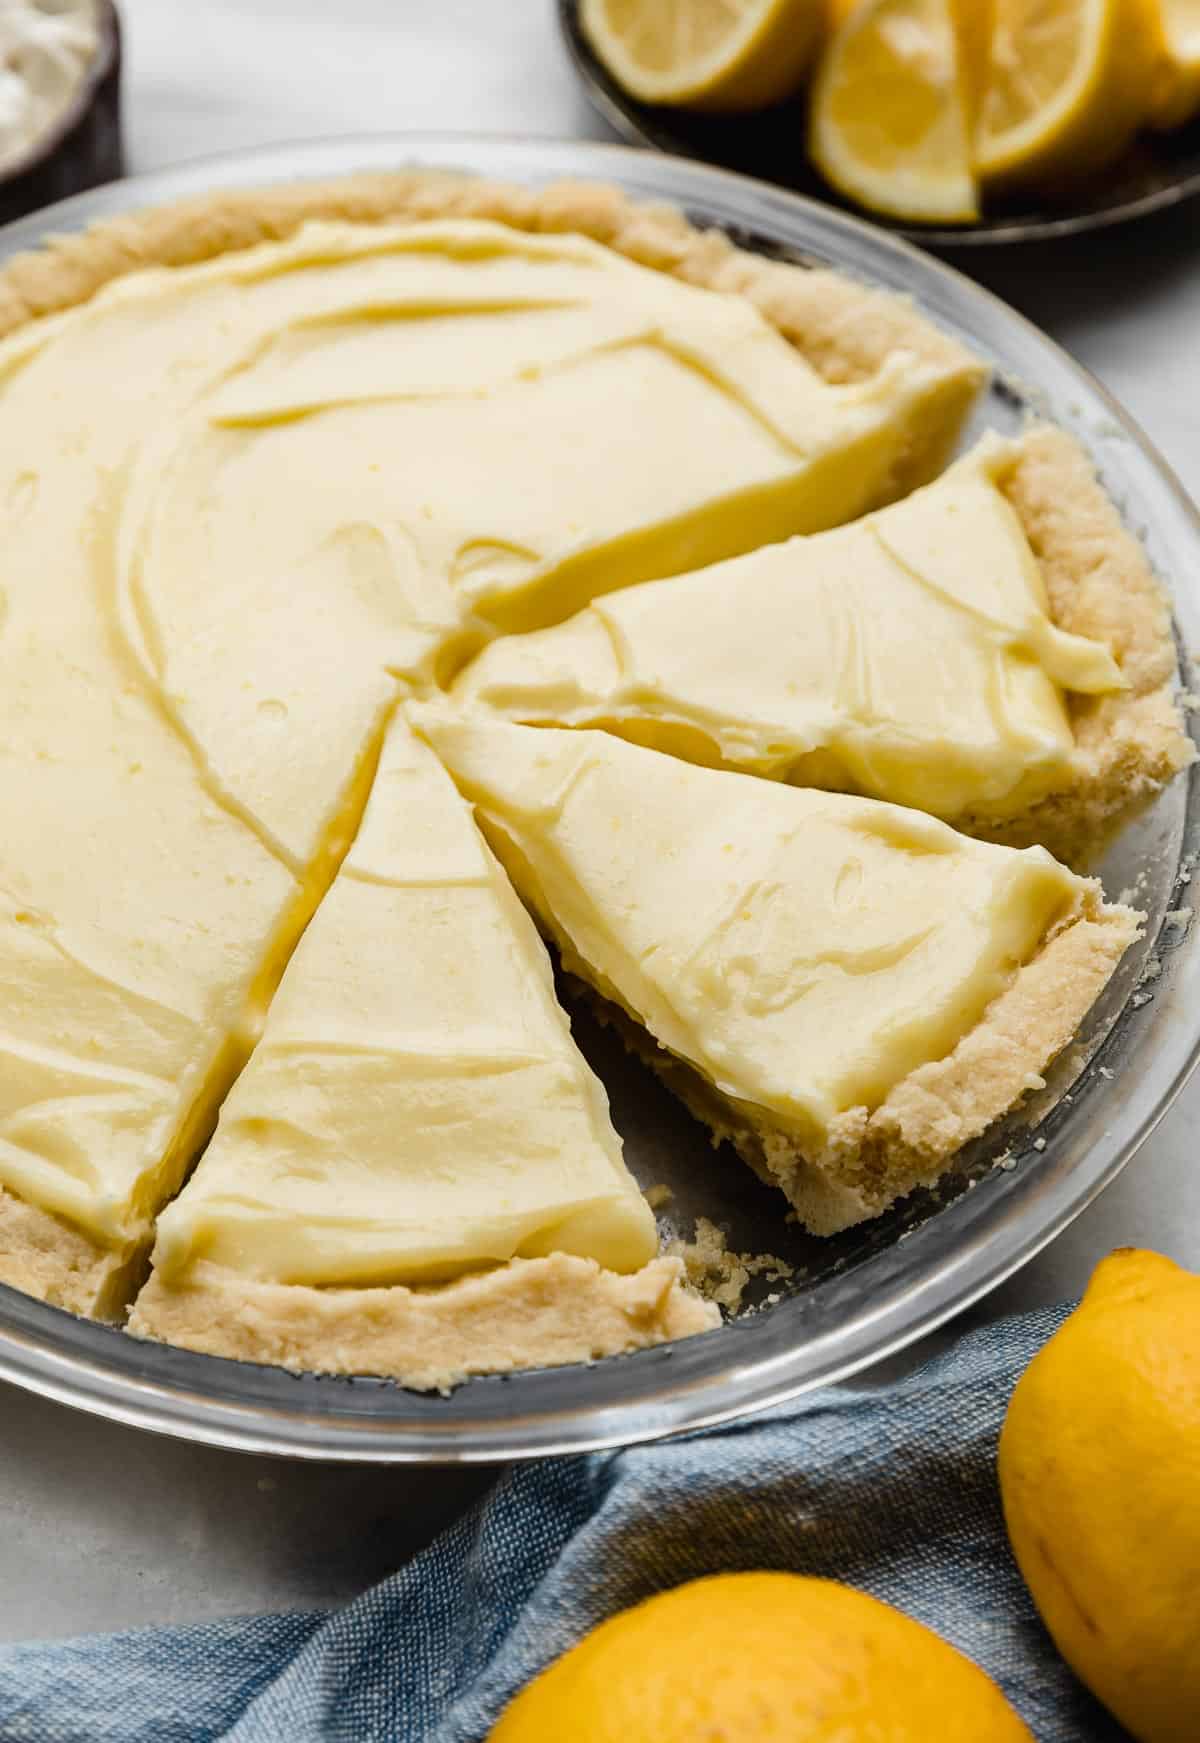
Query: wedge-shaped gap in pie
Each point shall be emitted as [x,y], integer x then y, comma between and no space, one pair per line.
[993,650]
[416,1174]
[846,989]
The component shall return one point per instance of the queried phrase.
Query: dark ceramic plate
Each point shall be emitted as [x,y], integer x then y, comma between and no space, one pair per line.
[1158,171]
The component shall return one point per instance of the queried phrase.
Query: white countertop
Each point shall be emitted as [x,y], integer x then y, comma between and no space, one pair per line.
[106,1527]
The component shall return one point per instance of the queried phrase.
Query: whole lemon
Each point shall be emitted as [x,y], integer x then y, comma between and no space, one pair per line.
[1100,1477]
[761,1658]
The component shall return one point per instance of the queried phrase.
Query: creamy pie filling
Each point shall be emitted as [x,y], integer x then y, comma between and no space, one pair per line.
[909,656]
[399,441]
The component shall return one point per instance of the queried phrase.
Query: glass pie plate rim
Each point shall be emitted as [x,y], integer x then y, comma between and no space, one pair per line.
[929,1263]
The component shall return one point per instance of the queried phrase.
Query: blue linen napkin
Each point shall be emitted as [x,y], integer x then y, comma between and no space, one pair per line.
[891,1489]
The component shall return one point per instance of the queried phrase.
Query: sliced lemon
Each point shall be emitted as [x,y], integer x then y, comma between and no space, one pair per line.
[706,54]
[891,111]
[1069,83]
[1177,92]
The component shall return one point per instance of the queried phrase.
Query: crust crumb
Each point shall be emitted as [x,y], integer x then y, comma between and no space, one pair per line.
[720,1275]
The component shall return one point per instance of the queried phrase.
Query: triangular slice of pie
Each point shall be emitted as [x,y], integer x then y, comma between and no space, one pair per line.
[993,650]
[847,989]
[416,1174]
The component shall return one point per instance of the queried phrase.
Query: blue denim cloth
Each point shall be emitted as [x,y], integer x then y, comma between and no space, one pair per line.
[892,1489]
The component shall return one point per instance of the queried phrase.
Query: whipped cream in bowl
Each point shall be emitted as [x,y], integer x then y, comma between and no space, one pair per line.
[47,50]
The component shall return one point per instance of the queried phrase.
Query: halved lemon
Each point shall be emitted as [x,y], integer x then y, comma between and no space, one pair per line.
[1177,92]
[891,115]
[1069,83]
[706,54]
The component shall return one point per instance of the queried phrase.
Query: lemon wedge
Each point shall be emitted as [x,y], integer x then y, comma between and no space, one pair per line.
[706,54]
[1068,85]
[891,115]
[1177,92]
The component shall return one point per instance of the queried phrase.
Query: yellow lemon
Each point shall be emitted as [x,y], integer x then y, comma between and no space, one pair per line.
[1068,85]
[1177,91]
[761,1658]
[1100,1477]
[705,54]
[891,117]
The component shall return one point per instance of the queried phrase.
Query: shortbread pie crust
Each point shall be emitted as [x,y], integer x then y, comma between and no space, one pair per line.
[43,1256]
[844,330]
[1128,743]
[530,1313]
[537,1311]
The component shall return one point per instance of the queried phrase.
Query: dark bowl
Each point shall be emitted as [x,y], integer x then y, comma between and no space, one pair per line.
[83,148]
[1159,170]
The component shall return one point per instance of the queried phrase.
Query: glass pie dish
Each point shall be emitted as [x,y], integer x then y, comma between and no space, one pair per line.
[835,1305]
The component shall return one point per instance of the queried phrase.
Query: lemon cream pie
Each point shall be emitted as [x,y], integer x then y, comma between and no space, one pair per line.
[914,656]
[847,989]
[415,1110]
[273,464]
[263,458]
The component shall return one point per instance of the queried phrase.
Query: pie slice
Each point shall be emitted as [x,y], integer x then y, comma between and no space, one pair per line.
[330,435]
[416,1174]
[992,650]
[846,989]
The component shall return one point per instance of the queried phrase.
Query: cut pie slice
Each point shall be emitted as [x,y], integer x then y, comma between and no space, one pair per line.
[993,650]
[416,1174]
[846,989]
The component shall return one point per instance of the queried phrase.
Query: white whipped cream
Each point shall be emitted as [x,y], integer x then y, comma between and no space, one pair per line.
[46,49]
